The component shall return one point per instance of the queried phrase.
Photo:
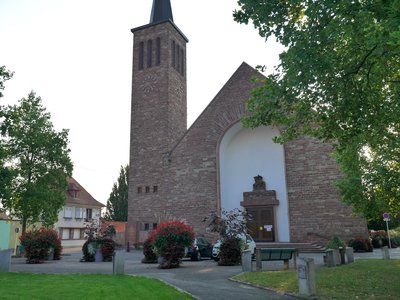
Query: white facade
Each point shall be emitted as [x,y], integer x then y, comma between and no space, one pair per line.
[245,153]
[71,223]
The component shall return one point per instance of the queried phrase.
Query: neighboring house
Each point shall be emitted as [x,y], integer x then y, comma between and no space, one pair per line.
[80,208]
[10,232]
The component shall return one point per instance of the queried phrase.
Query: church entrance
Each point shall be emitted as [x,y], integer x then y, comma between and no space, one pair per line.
[261,226]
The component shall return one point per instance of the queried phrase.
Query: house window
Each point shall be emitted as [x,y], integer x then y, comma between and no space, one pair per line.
[139,190]
[71,233]
[147,227]
[77,234]
[141,55]
[182,63]
[88,213]
[67,212]
[82,234]
[65,233]
[147,189]
[78,213]
[154,226]
[155,189]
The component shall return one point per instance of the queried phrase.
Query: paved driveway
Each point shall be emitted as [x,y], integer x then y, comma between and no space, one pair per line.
[203,279]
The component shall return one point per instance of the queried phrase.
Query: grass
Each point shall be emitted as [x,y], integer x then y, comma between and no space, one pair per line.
[44,286]
[364,279]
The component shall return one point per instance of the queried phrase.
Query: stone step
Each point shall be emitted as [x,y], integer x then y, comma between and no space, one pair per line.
[301,247]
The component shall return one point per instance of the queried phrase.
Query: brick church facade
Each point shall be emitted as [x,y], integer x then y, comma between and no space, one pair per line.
[217,164]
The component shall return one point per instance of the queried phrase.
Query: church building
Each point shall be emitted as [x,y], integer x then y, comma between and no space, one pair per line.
[180,173]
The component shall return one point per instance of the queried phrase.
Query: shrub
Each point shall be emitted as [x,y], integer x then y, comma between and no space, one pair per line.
[335,243]
[230,252]
[379,238]
[170,240]
[40,243]
[150,256]
[360,244]
[105,244]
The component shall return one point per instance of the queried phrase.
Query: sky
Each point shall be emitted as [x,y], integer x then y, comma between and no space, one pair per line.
[77,56]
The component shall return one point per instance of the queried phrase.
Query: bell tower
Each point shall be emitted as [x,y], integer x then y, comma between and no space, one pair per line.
[158,114]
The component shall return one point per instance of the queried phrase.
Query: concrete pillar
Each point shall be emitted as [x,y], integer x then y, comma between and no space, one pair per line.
[385,252]
[306,276]
[330,258]
[118,262]
[5,260]
[258,259]
[350,255]
[246,261]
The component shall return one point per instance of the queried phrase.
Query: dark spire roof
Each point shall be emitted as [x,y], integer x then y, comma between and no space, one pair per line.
[161,11]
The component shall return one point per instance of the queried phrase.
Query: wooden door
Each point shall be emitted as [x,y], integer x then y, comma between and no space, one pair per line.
[262,226]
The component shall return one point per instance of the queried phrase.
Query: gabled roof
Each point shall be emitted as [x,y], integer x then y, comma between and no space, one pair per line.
[77,195]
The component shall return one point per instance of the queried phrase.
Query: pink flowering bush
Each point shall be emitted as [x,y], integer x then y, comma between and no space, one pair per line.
[170,240]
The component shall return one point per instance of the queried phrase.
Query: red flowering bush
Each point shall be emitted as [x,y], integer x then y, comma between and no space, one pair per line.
[170,240]
[40,244]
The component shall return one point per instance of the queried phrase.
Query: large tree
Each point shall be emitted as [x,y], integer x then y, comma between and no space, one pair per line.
[4,76]
[38,158]
[117,204]
[339,81]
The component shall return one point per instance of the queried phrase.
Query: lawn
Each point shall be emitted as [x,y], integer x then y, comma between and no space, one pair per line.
[364,279]
[44,286]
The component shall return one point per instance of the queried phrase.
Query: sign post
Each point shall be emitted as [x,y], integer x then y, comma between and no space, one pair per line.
[386,218]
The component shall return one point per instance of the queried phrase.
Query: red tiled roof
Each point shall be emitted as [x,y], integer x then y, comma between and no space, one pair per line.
[77,195]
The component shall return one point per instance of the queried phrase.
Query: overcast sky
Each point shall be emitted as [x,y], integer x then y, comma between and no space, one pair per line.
[77,56]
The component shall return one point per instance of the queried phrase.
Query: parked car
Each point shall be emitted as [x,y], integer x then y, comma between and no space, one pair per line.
[200,248]
[250,244]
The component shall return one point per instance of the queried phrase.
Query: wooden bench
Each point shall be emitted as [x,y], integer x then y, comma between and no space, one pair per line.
[271,254]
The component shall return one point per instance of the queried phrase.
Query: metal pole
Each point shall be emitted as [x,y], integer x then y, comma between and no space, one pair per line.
[387,230]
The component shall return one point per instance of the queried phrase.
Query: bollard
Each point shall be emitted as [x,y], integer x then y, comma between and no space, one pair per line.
[385,252]
[258,259]
[350,255]
[330,258]
[128,248]
[5,260]
[118,262]
[306,276]
[246,261]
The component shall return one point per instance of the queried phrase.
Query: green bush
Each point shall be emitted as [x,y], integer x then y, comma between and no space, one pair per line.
[335,243]
[39,244]
[360,244]
[230,252]
[150,256]
[105,244]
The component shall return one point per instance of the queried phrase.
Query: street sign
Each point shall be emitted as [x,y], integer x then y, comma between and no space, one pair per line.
[386,217]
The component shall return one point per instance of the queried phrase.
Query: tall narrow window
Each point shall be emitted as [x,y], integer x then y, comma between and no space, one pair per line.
[149,53]
[158,51]
[178,58]
[173,53]
[141,55]
[182,63]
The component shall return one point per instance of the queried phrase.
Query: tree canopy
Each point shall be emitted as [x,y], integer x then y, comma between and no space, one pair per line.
[37,157]
[339,81]
[4,76]
[117,204]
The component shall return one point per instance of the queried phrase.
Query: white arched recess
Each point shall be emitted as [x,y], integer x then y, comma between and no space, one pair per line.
[245,153]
